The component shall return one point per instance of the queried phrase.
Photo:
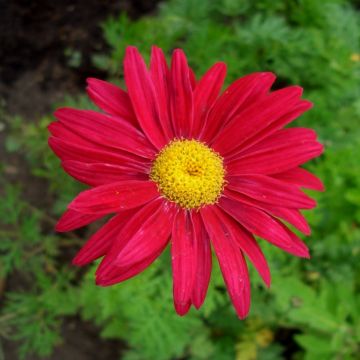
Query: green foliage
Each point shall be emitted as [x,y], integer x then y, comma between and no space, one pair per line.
[145,317]
[311,43]
[36,316]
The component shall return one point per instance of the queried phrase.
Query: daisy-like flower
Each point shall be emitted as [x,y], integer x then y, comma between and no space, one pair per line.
[175,160]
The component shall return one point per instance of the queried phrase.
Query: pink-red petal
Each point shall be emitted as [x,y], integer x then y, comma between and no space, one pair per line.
[111,99]
[292,216]
[68,150]
[270,162]
[181,97]
[271,191]
[139,243]
[302,178]
[202,250]
[247,244]
[239,95]
[72,220]
[96,174]
[205,95]
[183,261]
[256,118]
[100,243]
[231,261]
[106,130]
[160,76]
[265,226]
[257,222]
[278,140]
[113,197]
[274,130]
[141,91]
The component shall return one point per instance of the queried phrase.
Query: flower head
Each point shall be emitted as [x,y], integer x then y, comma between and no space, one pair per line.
[175,160]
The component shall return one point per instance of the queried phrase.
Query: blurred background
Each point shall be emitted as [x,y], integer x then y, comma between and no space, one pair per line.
[51,310]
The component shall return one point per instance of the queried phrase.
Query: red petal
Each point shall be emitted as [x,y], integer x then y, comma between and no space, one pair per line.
[292,216]
[66,150]
[202,253]
[257,222]
[240,94]
[160,76]
[265,226]
[181,98]
[298,248]
[100,243]
[106,130]
[96,174]
[151,237]
[270,162]
[231,261]
[183,261]
[59,130]
[256,118]
[277,141]
[205,94]
[247,244]
[111,99]
[302,178]
[72,220]
[113,197]
[142,94]
[271,191]
[277,136]
[139,243]
[192,78]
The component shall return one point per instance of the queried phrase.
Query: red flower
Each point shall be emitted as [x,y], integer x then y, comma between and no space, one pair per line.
[175,161]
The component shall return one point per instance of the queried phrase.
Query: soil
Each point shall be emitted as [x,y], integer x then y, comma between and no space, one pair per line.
[34,74]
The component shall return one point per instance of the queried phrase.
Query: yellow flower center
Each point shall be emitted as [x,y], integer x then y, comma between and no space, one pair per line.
[189,173]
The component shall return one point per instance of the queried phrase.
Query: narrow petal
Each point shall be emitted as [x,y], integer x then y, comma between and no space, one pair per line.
[271,191]
[151,237]
[113,197]
[298,247]
[67,150]
[111,99]
[119,274]
[60,131]
[132,226]
[143,97]
[231,261]
[72,220]
[192,78]
[202,250]
[181,98]
[100,243]
[257,222]
[183,261]
[302,178]
[96,174]
[265,226]
[106,130]
[272,131]
[256,118]
[292,216]
[239,95]
[270,162]
[205,94]
[277,141]
[247,244]
[140,242]
[160,76]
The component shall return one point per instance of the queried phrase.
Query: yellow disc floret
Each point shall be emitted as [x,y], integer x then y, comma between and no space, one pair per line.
[189,173]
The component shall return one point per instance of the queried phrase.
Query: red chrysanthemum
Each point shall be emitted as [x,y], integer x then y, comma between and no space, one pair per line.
[175,161]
